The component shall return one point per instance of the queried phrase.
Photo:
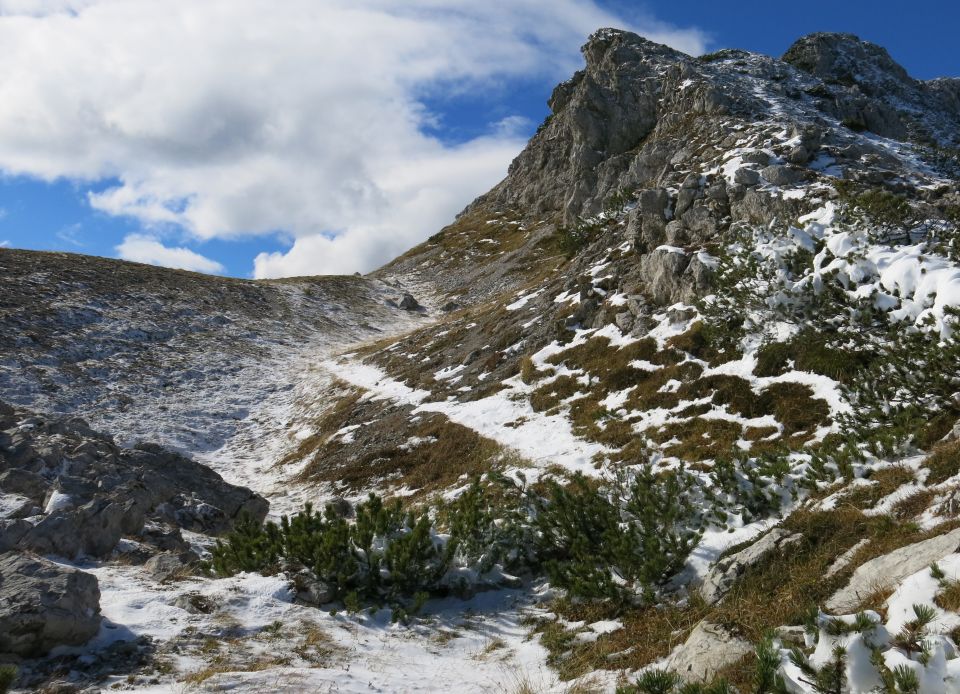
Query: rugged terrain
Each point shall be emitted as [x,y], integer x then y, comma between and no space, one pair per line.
[680,398]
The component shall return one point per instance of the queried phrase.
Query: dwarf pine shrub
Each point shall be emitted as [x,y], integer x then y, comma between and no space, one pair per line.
[619,538]
[8,674]
[618,542]
[384,553]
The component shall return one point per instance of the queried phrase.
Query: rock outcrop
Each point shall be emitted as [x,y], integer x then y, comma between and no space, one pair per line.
[44,605]
[83,493]
[890,569]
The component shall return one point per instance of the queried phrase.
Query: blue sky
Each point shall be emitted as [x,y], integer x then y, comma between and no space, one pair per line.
[336,161]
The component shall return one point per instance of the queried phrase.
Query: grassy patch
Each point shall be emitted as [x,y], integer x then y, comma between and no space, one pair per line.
[550,395]
[884,483]
[608,366]
[943,463]
[648,633]
[948,597]
[810,351]
[794,407]
[440,452]
[913,505]
[700,342]
[699,439]
[780,588]
[329,423]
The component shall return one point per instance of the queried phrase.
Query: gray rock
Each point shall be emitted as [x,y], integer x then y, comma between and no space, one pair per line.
[781,175]
[662,272]
[409,303]
[798,155]
[166,566]
[11,532]
[92,530]
[726,571]
[890,569]
[701,224]
[20,481]
[16,506]
[843,561]
[194,603]
[756,157]
[44,605]
[746,177]
[310,590]
[708,649]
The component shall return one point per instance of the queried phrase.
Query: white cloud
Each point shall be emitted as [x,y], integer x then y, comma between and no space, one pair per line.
[146,249]
[3,212]
[4,244]
[242,117]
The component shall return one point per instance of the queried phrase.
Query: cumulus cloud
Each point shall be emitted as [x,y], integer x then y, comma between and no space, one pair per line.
[141,248]
[304,118]
[4,244]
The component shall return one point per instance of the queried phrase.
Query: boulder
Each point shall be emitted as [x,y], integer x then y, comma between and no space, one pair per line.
[708,649]
[167,565]
[726,571]
[408,303]
[44,605]
[781,175]
[310,590]
[661,272]
[756,157]
[746,177]
[890,569]
[92,530]
[11,531]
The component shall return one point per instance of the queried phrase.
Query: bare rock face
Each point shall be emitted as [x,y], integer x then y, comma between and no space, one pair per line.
[726,571]
[44,605]
[868,89]
[892,568]
[599,116]
[88,493]
[707,650]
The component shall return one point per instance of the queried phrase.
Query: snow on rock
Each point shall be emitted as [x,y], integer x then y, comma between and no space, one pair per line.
[893,568]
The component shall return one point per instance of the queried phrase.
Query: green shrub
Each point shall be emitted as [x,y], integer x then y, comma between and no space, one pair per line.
[8,675]
[617,542]
[386,553]
[571,240]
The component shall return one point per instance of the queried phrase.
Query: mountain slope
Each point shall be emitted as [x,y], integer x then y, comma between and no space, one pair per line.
[686,377]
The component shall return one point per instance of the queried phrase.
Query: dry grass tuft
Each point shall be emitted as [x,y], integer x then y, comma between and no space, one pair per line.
[943,462]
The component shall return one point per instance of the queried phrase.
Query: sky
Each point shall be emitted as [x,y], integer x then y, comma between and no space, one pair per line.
[268,138]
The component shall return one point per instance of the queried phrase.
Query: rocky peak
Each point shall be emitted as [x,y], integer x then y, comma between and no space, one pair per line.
[628,118]
[846,59]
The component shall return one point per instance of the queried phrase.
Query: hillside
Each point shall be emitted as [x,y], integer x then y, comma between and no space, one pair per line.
[680,405]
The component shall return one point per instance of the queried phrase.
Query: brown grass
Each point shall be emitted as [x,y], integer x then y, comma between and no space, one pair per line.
[913,505]
[885,482]
[328,424]
[648,633]
[698,343]
[943,462]
[549,395]
[610,366]
[782,586]
[948,597]
[450,451]
[794,406]
[699,439]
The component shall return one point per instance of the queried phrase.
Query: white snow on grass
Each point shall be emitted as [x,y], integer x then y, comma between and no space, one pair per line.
[476,645]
